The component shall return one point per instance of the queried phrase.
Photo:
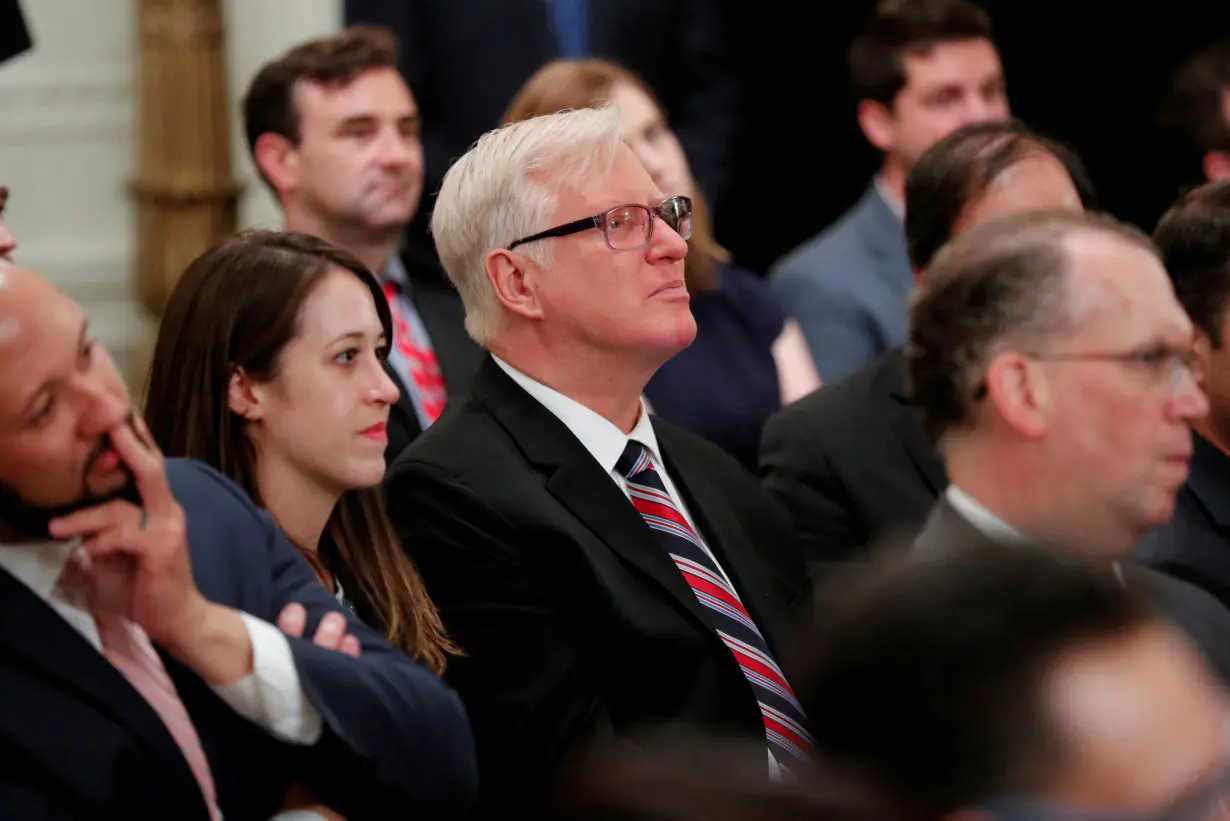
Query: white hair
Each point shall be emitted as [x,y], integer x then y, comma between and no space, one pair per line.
[506,187]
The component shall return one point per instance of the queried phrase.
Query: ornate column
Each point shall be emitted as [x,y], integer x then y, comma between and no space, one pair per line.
[184,191]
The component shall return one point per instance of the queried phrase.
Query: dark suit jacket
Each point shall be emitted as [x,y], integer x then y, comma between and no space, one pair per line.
[848,287]
[439,306]
[577,626]
[465,61]
[77,741]
[852,464]
[1195,544]
[1191,609]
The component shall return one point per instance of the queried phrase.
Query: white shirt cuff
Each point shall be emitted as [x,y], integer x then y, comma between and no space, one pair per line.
[271,695]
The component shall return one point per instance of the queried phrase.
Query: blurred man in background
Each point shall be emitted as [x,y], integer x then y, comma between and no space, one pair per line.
[851,461]
[334,130]
[921,69]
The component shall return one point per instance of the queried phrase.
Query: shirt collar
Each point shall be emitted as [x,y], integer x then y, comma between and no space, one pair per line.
[37,566]
[895,205]
[604,441]
[983,520]
[395,271]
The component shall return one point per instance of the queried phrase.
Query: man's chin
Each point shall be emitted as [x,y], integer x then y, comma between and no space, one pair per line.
[26,522]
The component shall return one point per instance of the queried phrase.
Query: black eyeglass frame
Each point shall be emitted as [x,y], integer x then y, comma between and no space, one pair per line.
[672,210]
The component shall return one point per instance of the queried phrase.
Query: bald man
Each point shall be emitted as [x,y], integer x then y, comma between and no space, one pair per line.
[141,672]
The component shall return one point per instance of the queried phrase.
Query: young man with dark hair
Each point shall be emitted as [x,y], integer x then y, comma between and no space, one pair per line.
[334,130]
[851,461]
[1194,239]
[921,69]
[1015,684]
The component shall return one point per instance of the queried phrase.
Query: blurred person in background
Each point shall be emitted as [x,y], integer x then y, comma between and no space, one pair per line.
[921,69]
[1198,109]
[1015,684]
[466,61]
[1194,240]
[748,359]
[851,461]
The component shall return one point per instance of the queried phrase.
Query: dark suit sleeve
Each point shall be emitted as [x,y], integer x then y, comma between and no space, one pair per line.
[530,701]
[707,112]
[796,470]
[396,741]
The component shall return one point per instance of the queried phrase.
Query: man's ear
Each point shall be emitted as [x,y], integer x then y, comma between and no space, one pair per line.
[244,397]
[278,159]
[1018,390]
[1216,165]
[515,280]
[877,123]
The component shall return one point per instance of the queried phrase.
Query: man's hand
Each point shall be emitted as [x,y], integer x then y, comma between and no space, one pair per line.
[138,564]
[330,633]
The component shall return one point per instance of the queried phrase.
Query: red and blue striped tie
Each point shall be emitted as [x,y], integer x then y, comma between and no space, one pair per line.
[784,721]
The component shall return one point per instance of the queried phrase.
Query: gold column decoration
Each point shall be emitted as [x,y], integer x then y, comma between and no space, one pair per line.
[185,194]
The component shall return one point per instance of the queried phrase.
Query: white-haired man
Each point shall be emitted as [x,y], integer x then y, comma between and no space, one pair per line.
[604,572]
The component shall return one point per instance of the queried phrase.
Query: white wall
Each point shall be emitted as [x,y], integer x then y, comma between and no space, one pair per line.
[68,141]
[66,154]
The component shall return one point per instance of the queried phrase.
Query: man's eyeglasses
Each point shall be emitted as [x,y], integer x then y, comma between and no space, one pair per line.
[626,227]
[1161,362]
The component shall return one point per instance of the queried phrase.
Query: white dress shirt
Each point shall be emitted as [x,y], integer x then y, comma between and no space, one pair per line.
[606,443]
[983,520]
[270,696]
[995,528]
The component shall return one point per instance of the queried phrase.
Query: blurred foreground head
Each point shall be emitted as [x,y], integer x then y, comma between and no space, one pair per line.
[694,779]
[1014,683]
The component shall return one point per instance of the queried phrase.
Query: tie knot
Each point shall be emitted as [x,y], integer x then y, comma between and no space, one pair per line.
[635,459]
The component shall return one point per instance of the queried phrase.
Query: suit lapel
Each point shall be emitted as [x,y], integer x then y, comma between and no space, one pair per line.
[581,485]
[906,426]
[33,634]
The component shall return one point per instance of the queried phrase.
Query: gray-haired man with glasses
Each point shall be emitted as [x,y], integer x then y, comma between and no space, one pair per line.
[1052,363]
[604,571]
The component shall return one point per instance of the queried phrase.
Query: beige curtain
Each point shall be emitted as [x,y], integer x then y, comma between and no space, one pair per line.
[184,192]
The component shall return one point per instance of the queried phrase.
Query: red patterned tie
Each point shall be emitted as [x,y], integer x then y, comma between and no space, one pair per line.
[129,650]
[420,360]
[784,722]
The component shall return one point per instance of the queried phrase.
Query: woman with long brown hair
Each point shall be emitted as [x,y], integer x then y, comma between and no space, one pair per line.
[269,366]
[748,358]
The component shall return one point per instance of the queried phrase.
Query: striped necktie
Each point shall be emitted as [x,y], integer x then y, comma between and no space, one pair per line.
[784,721]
